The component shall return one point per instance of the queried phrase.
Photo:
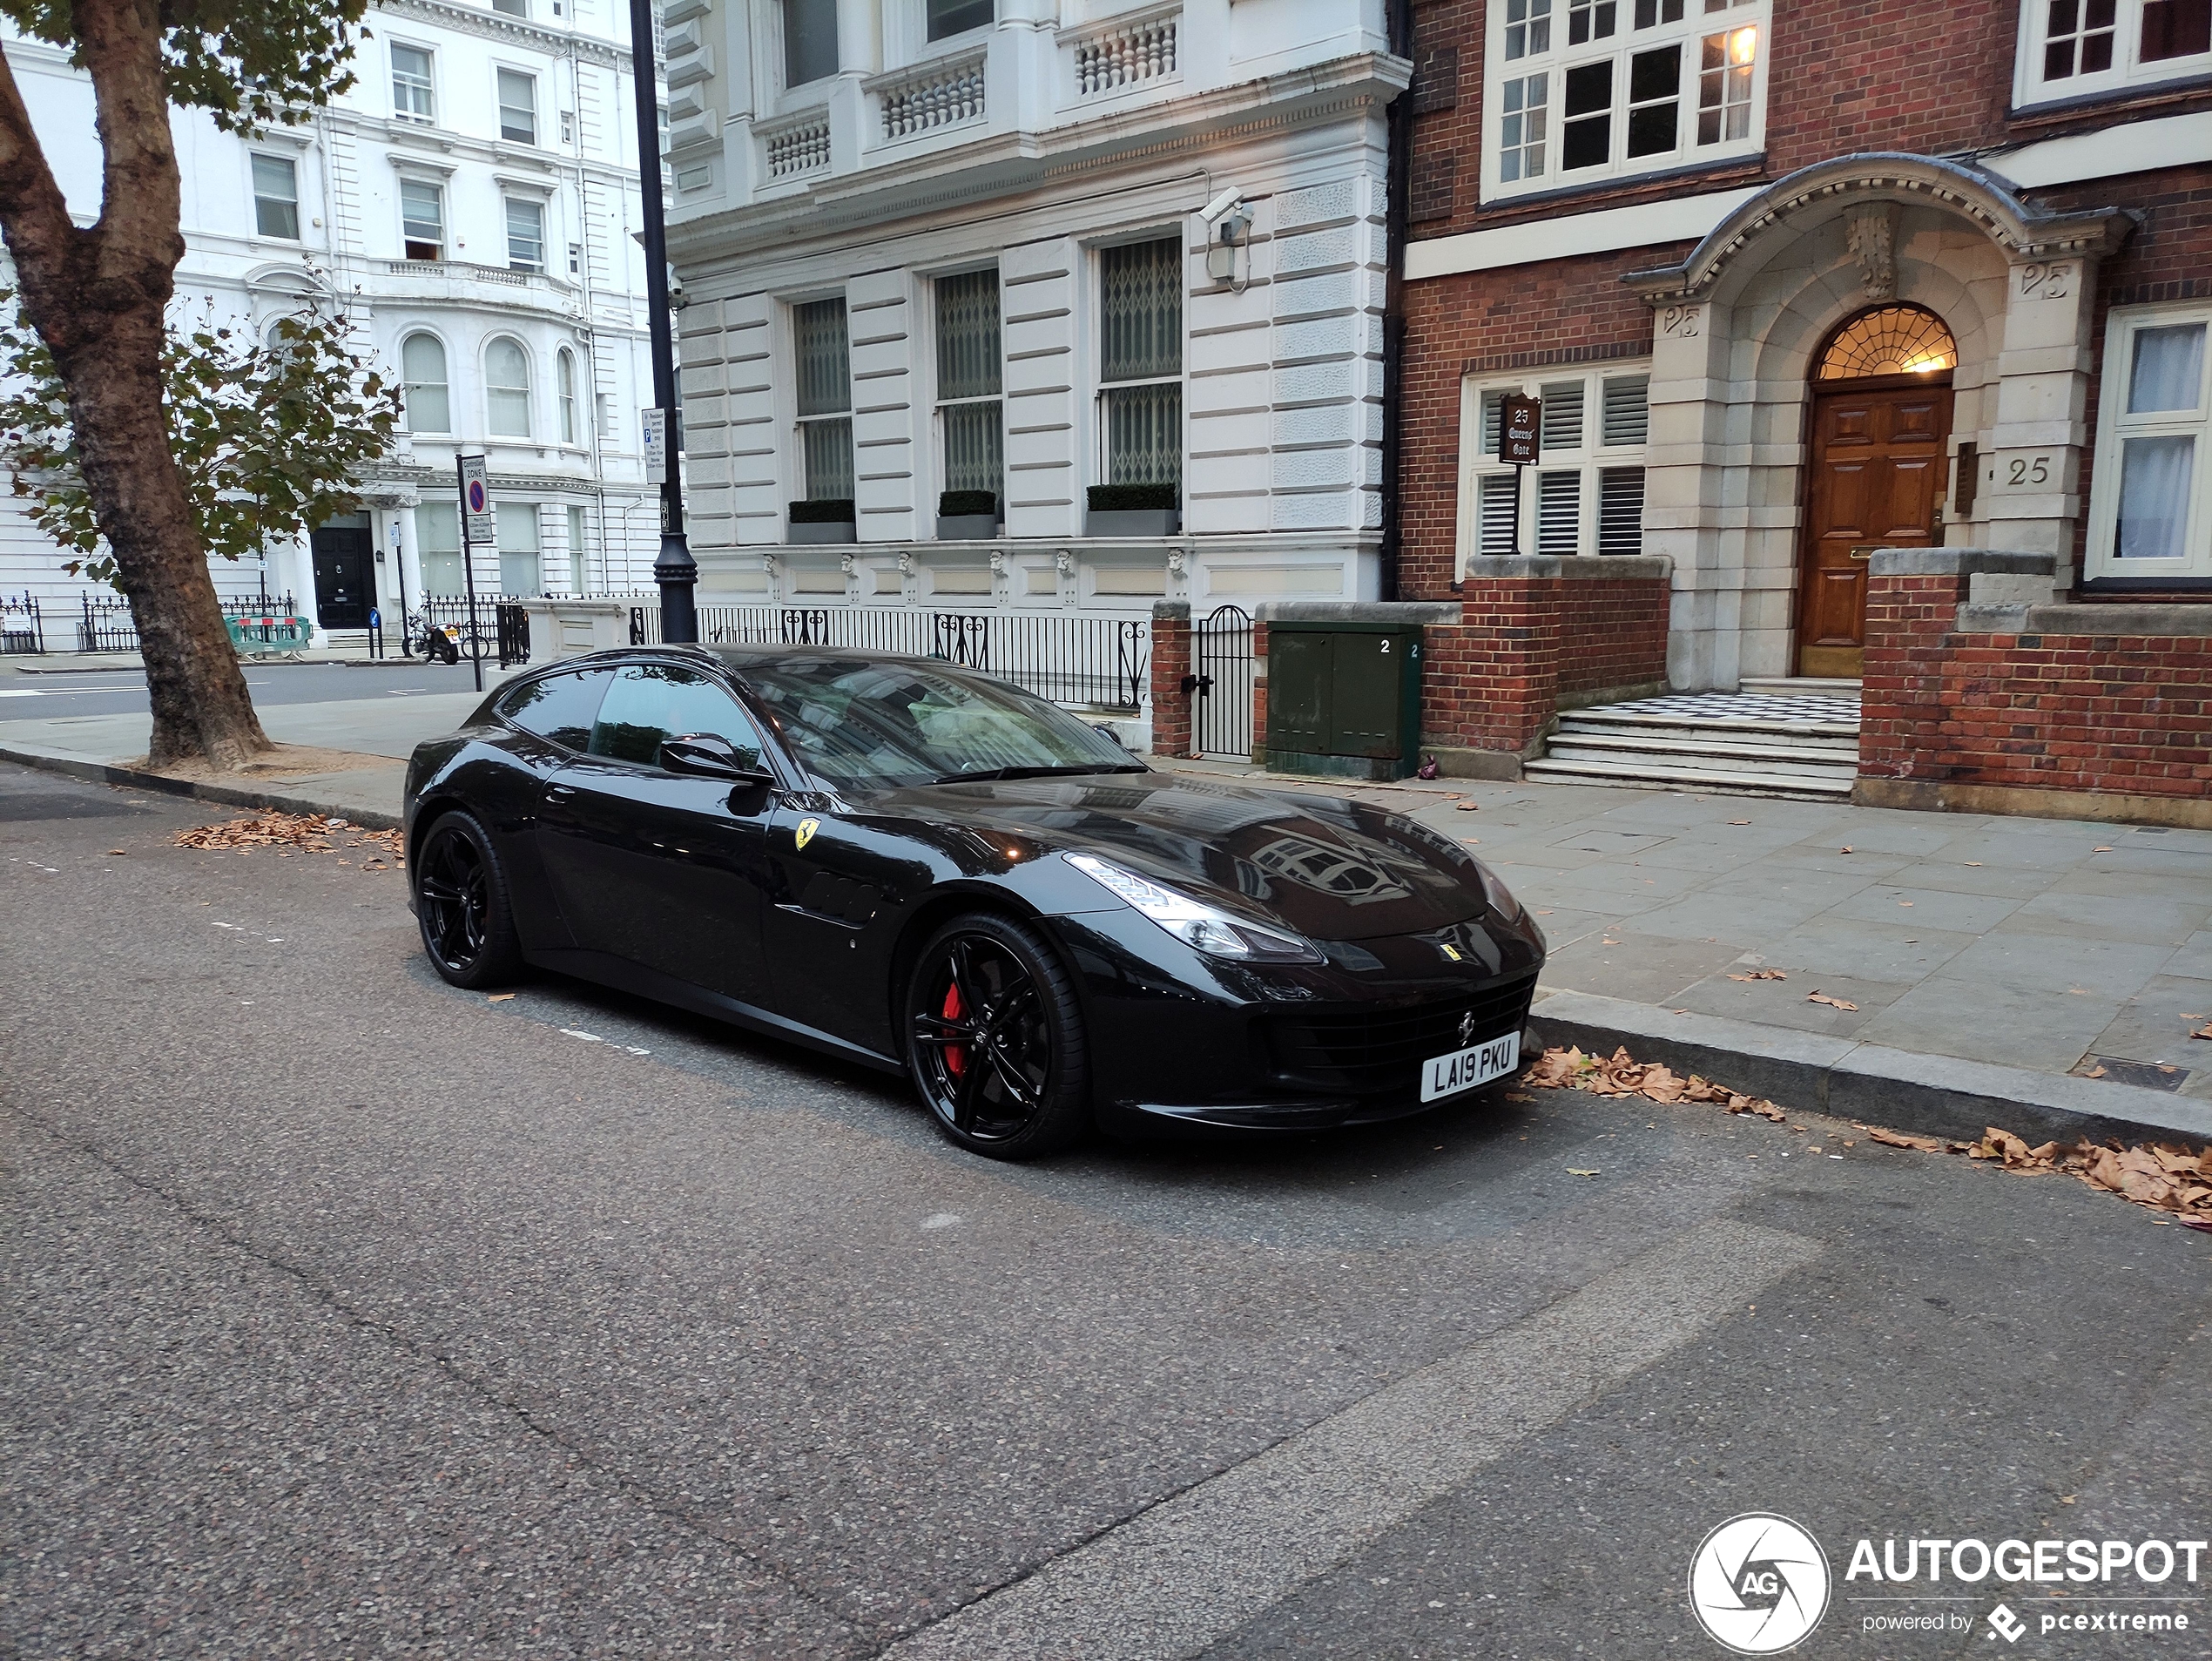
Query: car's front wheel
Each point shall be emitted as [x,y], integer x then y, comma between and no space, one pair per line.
[462,902]
[995,1039]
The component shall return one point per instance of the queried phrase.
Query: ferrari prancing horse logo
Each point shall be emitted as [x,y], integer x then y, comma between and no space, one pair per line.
[807,830]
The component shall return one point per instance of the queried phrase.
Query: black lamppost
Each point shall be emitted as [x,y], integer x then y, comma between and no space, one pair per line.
[675,570]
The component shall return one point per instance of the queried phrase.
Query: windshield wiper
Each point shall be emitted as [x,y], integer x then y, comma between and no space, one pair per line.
[985,774]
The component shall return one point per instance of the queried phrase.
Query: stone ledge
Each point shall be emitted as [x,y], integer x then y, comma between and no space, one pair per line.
[2187,812]
[1392,613]
[1960,561]
[1615,568]
[1170,610]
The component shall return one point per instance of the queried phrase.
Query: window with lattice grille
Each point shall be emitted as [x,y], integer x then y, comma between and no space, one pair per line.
[823,360]
[1585,493]
[970,383]
[1140,368]
[1896,339]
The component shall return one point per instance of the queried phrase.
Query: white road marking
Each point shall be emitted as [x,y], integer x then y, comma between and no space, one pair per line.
[1174,1580]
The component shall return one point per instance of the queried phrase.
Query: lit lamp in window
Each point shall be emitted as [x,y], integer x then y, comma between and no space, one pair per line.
[1229,220]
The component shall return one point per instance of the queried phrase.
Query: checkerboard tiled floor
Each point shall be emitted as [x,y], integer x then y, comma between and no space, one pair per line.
[1739,706]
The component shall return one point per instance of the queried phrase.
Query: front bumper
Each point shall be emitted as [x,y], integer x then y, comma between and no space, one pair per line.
[1180,1039]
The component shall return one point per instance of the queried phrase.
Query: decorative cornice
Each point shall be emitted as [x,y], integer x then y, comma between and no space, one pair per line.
[498,25]
[1833,186]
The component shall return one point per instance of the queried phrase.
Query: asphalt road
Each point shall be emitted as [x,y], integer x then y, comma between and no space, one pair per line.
[343,1313]
[122,692]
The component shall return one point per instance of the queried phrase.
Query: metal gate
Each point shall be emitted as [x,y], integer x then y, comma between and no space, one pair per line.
[1222,718]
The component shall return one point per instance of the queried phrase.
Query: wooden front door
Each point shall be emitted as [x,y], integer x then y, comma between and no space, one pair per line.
[1877,481]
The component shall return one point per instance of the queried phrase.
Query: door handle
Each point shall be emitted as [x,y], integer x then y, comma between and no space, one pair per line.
[1866,552]
[559,793]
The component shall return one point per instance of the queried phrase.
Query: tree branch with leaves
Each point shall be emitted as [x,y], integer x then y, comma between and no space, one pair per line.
[97,295]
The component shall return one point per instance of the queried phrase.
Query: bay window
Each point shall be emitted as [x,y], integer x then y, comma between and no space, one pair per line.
[1585,493]
[2071,49]
[2148,521]
[825,380]
[1619,87]
[1141,361]
[969,382]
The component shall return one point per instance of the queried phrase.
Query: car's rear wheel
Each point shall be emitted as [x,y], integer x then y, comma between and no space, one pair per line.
[995,1039]
[462,902]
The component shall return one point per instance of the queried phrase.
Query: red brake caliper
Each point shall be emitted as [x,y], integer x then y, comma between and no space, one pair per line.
[955,1054]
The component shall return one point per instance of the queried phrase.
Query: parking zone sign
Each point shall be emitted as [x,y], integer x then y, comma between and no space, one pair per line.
[476,501]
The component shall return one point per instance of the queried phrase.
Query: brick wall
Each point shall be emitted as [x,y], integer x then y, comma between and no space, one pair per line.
[1170,663]
[1531,637]
[1978,718]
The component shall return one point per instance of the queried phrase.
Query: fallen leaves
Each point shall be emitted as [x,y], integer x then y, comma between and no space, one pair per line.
[501,998]
[1573,1171]
[1470,806]
[2164,1176]
[1739,821]
[2204,1032]
[1833,1003]
[1623,1076]
[1760,975]
[294,832]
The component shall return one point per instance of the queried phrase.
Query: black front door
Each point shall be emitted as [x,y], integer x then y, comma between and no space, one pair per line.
[659,869]
[345,584]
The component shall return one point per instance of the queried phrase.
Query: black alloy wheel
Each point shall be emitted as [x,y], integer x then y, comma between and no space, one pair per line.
[995,1039]
[462,902]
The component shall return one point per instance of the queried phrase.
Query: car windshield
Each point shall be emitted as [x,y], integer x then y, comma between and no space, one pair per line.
[863,726]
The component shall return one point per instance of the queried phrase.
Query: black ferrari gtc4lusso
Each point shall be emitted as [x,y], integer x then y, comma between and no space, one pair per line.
[927,870]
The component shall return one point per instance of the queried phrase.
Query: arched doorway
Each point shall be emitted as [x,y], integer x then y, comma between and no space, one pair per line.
[1881,423]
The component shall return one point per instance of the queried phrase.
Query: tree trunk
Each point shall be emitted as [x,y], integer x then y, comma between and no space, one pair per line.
[99,297]
[200,704]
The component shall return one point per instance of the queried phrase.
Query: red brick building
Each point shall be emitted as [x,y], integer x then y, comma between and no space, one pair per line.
[1798,283]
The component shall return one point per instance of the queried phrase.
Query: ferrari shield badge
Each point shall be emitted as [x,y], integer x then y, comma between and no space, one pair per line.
[807,830]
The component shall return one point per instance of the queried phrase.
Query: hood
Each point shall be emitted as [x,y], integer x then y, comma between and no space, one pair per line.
[1324,868]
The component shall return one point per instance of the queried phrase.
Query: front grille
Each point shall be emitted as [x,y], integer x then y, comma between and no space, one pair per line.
[1382,1050]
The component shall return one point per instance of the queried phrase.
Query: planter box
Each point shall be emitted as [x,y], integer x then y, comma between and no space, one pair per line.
[841,531]
[966,527]
[1137,522]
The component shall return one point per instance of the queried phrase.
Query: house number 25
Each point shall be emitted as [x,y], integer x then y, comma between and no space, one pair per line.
[2046,282]
[2024,470]
[1681,322]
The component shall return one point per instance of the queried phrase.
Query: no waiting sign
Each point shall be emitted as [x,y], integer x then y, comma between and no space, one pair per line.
[476,500]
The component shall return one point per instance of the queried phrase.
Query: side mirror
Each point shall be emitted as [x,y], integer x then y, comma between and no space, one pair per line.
[704,755]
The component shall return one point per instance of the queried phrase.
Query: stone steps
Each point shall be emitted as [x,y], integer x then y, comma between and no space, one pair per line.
[1746,743]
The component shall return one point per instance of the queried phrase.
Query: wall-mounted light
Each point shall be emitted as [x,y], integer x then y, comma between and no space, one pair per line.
[1229,222]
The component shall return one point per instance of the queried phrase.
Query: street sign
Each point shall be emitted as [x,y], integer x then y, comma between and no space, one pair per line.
[1519,420]
[655,445]
[476,501]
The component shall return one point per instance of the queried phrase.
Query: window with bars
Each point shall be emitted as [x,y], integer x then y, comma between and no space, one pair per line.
[525,235]
[2073,49]
[518,107]
[969,382]
[413,97]
[822,358]
[276,197]
[1619,87]
[423,218]
[1585,495]
[1140,367]
[2148,514]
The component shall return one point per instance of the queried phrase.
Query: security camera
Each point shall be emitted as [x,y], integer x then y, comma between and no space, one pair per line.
[1231,199]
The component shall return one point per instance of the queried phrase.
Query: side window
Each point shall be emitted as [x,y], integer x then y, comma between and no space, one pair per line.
[651,702]
[559,708]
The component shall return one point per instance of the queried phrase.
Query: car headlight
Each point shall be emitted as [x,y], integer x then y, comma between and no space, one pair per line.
[1192,921]
[1496,892]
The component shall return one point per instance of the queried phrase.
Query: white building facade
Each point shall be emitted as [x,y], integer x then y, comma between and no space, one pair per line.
[1023,251]
[472,204]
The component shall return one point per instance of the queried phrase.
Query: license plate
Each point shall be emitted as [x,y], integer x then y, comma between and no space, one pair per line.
[1465,1069]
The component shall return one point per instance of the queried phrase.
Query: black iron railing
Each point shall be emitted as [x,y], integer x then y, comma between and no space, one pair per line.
[22,626]
[1092,662]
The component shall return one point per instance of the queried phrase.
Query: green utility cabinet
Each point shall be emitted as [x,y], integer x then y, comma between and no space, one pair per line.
[1344,697]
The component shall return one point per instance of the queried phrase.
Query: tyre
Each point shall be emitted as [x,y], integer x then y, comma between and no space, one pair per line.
[995,1039]
[462,902]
